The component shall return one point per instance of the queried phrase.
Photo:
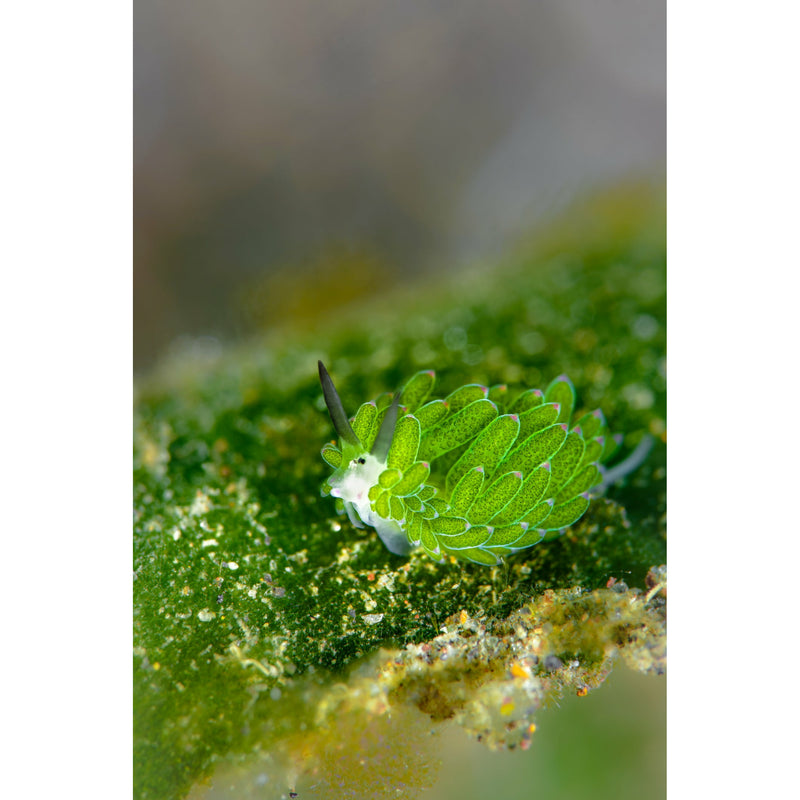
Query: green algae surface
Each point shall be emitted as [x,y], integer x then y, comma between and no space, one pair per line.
[270,631]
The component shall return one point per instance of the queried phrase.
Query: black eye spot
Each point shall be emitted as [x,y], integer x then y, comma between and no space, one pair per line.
[362,460]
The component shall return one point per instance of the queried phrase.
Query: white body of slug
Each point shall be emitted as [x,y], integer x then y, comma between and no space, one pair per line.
[353,488]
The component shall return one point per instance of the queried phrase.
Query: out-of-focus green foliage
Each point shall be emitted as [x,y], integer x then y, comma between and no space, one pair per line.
[253,600]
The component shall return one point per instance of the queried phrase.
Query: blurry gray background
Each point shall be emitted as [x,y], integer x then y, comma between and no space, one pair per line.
[291,154]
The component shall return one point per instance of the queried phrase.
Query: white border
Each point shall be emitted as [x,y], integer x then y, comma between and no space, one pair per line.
[733,179]
[66,324]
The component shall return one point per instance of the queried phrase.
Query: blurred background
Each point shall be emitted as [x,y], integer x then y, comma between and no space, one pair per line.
[291,156]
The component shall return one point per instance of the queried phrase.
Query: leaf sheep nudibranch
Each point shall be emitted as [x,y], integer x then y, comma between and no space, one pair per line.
[471,475]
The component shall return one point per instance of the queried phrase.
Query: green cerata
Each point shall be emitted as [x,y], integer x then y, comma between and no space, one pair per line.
[475,475]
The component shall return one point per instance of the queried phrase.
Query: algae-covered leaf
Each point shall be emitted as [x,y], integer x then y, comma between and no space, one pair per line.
[535,450]
[566,460]
[495,498]
[464,396]
[413,477]
[565,514]
[530,493]
[537,418]
[332,455]
[364,424]
[405,444]
[431,413]
[562,392]
[416,391]
[467,490]
[272,633]
[529,399]
[389,477]
[488,449]
[457,429]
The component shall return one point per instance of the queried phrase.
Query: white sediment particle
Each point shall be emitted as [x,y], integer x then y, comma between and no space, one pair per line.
[372,619]
[369,603]
[206,615]
[201,504]
[233,565]
[210,543]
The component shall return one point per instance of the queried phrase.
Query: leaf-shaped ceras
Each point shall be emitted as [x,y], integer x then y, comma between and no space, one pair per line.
[476,475]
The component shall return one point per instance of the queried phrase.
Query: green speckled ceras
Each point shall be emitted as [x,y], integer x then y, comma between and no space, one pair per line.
[473,475]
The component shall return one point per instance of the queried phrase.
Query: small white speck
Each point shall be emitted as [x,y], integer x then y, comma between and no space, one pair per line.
[372,619]
[200,505]
[176,534]
[206,615]
[210,542]
[233,565]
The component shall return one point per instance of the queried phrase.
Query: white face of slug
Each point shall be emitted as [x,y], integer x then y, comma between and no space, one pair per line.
[353,487]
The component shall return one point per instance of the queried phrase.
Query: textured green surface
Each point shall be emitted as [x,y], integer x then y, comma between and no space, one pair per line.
[250,592]
[509,448]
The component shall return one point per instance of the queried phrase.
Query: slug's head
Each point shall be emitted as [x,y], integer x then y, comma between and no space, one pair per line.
[356,468]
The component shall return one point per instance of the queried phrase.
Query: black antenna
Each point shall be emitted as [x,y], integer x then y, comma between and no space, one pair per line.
[335,408]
